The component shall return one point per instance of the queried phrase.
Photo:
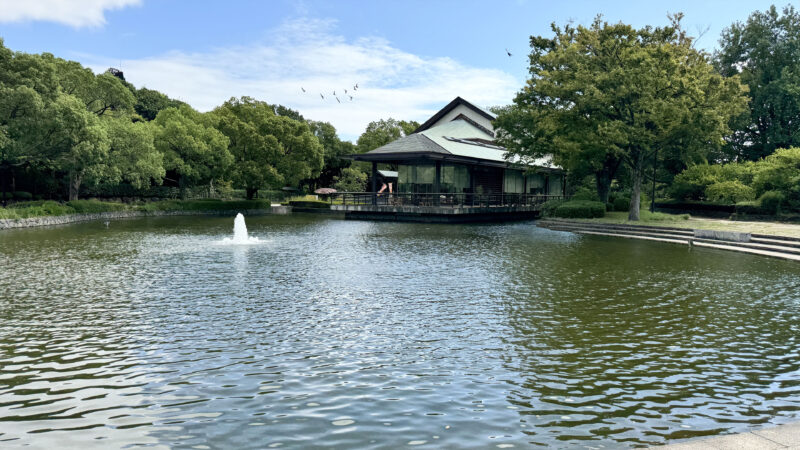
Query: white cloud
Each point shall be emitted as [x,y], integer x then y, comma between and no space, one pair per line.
[309,54]
[75,13]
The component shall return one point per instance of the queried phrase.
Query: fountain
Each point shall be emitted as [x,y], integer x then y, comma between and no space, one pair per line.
[240,236]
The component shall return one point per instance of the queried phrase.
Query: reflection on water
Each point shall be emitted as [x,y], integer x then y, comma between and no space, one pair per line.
[362,334]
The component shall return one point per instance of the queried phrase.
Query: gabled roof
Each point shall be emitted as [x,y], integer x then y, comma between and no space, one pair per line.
[413,143]
[451,106]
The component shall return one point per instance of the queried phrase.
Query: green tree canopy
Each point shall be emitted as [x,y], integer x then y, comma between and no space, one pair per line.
[610,94]
[194,151]
[382,132]
[334,152]
[765,52]
[255,153]
[149,103]
[132,153]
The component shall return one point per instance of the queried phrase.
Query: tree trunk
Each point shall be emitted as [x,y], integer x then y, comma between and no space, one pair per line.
[636,194]
[182,191]
[251,193]
[603,182]
[74,185]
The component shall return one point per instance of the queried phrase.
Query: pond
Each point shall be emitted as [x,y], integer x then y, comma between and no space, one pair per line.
[356,334]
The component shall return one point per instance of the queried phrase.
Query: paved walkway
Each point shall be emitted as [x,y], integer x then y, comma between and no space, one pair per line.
[782,436]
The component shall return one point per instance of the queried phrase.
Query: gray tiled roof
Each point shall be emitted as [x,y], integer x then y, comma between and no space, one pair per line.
[413,143]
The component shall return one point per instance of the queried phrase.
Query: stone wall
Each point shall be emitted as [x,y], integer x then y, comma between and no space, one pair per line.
[71,218]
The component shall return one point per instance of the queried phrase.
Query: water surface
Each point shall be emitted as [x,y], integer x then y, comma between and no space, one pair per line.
[355,334]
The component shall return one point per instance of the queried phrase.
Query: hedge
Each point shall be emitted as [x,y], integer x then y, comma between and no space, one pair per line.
[580,209]
[318,204]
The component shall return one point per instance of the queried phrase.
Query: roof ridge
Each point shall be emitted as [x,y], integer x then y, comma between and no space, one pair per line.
[432,142]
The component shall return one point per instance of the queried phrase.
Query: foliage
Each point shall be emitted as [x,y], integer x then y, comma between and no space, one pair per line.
[763,52]
[352,179]
[621,204]
[382,132]
[95,206]
[771,201]
[729,192]
[609,94]
[205,205]
[193,149]
[334,152]
[583,209]
[585,194]
[149,103]
[316,204]
[549,207]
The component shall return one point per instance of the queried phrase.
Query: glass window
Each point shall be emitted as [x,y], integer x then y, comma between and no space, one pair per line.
[556,182]
[535,183]
[513,183]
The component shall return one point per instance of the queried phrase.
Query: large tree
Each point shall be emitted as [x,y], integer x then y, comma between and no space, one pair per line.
[765,52]
[243,121]
[334,152]
[194,151]
[610,94]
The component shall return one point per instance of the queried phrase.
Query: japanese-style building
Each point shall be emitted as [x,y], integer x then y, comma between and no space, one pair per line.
[450,168]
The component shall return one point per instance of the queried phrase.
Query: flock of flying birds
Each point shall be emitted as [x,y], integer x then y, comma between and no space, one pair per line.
[355,88]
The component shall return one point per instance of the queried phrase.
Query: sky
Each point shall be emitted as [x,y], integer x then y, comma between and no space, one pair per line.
[409,58]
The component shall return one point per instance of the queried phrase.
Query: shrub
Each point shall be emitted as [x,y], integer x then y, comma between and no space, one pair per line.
[622,204]
[729,192]
[691,184]
[771,202]
[95,206]
[581,209]
[549,207]
[22,195]
[609,207]
[352,179]
[584,193]
[317,204]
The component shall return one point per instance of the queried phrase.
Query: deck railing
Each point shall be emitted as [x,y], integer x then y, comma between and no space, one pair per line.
[442,199]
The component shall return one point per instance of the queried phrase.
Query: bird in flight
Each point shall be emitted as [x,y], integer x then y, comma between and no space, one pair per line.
[509,53]
[355,88]
[337,100]
[351,97]
[301,88]
[323,97]
[334,93]
[345,91]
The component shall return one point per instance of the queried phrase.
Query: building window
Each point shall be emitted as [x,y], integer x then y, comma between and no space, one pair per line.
[513,182]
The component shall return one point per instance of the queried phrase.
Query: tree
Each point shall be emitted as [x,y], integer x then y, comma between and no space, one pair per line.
[255,153]
[352,179]
[611,95]
[81,141]
[300,155]
[382,132]
[334,152]
[194,151]
[132,155]
[149,103]
[765,53]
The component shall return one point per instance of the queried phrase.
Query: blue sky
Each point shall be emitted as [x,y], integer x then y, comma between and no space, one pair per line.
[409,57]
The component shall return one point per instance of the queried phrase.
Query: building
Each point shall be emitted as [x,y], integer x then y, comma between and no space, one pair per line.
[451,165]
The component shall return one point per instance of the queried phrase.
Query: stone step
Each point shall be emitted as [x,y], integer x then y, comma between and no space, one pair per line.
[754,248]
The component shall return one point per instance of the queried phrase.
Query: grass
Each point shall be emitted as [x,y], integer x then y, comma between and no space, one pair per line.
[45,208]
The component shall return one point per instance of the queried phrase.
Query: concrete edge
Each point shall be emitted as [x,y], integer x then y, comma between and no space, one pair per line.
[9,224]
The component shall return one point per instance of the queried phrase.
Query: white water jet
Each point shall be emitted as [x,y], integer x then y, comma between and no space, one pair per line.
[240,236]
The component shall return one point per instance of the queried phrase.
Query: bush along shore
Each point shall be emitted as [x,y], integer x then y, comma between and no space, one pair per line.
[49,212]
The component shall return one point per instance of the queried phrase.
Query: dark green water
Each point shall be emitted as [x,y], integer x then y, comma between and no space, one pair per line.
[381,335]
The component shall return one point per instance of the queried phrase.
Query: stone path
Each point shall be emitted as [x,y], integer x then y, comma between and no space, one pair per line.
[780,437]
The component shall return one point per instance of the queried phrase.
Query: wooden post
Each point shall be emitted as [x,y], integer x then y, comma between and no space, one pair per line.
[374,183]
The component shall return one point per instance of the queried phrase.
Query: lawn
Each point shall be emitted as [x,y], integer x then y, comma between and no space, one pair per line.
[686,221]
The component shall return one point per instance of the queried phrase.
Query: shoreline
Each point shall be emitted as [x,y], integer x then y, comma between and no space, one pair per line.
[774,437]
[43,221]
[776,246]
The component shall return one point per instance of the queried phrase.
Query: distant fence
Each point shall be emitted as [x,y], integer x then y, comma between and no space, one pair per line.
[440,199]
